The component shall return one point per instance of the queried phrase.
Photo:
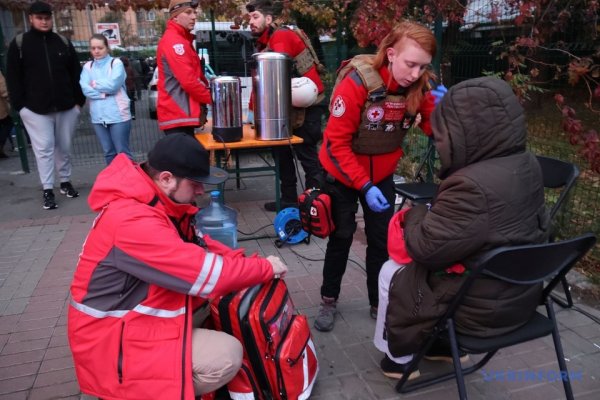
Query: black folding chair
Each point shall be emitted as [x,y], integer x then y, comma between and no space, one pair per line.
[419,191]
[523,265]
[562,175]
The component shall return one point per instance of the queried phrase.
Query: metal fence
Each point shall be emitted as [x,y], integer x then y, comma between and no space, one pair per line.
[467,52]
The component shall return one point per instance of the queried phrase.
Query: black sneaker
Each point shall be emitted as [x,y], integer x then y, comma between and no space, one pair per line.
[440,350]
[68,190]
[49,203]
[396,371]
[270,206]
[373,312]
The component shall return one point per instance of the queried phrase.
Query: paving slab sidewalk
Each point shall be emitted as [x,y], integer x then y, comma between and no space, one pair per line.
[38,255]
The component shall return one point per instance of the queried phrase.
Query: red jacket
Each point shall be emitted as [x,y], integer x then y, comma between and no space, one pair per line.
[284,40]
[182,87]
[136,286]
[336,155]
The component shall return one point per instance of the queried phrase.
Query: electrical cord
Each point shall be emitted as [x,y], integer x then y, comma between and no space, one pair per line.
[257,238]
[322,259]
[252,233]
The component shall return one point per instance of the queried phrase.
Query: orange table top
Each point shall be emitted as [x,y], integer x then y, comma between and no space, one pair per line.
[248,141]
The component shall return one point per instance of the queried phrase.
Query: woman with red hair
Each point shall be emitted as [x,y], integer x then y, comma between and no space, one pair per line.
[373,105]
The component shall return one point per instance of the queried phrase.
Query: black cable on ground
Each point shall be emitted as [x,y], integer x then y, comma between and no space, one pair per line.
[322,259]
[256,238]
[252,233]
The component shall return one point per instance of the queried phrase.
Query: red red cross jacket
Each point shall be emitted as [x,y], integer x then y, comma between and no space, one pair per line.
[182,87]
[336,155]
[136,286]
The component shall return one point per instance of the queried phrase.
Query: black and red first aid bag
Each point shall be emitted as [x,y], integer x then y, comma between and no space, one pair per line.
[280,360]
[315,212]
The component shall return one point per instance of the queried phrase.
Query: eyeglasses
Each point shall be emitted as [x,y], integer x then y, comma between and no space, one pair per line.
[193,4]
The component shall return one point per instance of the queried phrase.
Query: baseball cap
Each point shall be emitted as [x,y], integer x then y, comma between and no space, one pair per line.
[39,7]
[183,156]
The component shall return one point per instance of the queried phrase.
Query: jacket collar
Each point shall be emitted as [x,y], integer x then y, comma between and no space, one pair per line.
[180,30]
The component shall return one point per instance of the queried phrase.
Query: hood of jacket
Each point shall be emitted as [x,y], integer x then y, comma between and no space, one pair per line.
[476,120]
[125,180]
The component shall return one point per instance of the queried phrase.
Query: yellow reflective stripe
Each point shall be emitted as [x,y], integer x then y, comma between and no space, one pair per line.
[141,309]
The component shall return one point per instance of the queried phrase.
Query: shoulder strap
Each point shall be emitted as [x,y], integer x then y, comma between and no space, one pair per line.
[19,42]
[363,65]
[309,46]
[64,39]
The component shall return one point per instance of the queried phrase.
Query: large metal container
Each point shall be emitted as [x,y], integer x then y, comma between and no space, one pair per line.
[271,85]
[226,92]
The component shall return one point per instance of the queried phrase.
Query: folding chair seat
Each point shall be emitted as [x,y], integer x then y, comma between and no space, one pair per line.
[562,175]
[524,265]
[418,191]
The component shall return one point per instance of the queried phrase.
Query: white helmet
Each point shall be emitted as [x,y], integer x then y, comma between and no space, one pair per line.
[304,92]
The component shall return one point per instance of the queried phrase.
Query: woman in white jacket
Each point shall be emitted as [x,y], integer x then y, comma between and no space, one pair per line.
[103,82]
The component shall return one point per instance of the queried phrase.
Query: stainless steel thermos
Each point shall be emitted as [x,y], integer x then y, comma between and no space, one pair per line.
[271,85]
[226,92]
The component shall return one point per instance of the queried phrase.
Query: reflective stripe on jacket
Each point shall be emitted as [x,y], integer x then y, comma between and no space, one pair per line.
[182,87]
[137,284]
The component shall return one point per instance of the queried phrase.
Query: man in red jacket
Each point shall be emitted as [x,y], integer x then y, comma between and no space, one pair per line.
[182,88]
[294,43]
[142,274]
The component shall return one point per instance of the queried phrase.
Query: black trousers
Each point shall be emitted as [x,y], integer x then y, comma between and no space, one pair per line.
[188,130]
[306,152]
[344,206]
[6,125]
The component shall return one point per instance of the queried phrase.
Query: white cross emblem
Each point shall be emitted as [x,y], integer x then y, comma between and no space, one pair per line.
[339,107]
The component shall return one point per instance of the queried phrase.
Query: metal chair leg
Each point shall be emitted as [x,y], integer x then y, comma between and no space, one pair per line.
[559,352]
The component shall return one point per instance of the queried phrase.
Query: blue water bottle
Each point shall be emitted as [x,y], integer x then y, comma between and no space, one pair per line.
[218,221]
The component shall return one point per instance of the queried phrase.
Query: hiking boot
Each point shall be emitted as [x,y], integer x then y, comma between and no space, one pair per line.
[326,317]
[68,190]
[394,370]
[270,206]
[49,203]
[373,312]
[440,350]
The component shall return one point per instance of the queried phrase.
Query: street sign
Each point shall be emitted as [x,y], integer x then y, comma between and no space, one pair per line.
[111,31]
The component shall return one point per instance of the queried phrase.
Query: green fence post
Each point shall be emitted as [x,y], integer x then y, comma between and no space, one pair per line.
[438,31]
[214,58]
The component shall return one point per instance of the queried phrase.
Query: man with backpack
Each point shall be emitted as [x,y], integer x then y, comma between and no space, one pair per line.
[306,122]
[43,82]
[143,274]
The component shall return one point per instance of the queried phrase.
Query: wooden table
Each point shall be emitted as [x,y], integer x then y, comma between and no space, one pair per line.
[248,144]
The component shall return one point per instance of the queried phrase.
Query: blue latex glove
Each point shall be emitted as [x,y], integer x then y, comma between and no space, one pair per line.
[376,200]
[439,92]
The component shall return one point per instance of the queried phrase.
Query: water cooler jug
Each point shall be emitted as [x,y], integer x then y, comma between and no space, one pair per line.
[271,85]
[218,221]
[226,93]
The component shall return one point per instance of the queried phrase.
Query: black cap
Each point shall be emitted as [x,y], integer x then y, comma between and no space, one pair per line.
[183,156]
[39,7]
